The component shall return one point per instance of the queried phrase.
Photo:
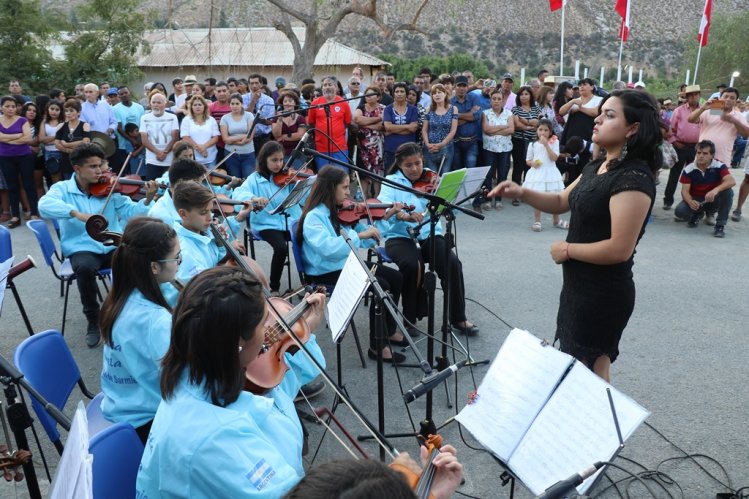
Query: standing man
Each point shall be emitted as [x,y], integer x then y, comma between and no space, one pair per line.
[126,112]
[159,131]
[218,109]
[104,88]
[684,138]
[542,76]
[262,106]
[469,123]
[99,115]
[280,83]
[721,125]
[509,96]
[113,97]
[14,87]
[177,86]
[332,121]
[380,82]
[210,87]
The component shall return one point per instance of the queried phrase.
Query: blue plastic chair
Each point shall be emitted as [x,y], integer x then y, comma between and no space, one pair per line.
[117,452]
[296,249]
[47,364]
[6,252]
[251,235]
[65,273]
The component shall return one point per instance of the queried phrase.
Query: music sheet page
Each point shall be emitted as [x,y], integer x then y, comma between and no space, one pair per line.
[349,290]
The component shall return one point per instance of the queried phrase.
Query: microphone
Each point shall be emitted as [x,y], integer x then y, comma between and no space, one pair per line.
[21,267]
[297,153]
[564,488]
[430,382]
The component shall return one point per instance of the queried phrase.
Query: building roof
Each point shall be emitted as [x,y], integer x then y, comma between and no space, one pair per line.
[240,47]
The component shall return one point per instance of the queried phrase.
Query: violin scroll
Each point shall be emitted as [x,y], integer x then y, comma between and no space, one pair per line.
[96,227]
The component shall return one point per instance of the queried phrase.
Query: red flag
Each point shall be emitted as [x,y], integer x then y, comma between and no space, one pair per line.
[705,23]
[557,4]
[622,7]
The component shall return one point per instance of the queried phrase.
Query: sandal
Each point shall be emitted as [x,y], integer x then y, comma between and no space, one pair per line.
[13,223]
[562,224]
[536,227]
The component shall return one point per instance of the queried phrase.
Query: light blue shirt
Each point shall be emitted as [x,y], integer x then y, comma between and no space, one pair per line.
[130,372]
[99,116]
[324,250]
[251,448]
[164,209]
[199,252]
[258,186]
[264,107]
[65,196]
[394,228]
[124,115]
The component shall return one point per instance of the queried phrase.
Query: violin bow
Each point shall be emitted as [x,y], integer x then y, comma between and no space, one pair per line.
[364,196]
[229,230]
[289,181]
[114,184]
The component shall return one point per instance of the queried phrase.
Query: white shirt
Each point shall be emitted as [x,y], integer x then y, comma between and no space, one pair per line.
[201,134]
[159,132]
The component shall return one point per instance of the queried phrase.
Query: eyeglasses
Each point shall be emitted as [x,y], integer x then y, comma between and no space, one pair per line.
[354,83]
[178,259]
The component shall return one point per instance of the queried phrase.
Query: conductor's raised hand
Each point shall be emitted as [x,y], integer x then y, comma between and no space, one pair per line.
[507,188]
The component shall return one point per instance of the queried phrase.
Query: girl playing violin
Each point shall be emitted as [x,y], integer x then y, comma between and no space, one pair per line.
[260,188]
[324,250]
[135,321]
[407,169]
[210,438]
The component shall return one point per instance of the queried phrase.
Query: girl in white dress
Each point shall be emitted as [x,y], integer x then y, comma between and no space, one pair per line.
[543,174]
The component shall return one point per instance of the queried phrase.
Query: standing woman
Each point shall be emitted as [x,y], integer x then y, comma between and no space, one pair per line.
[525,115]
[564,94]
[401,121]
[17,160]
[580,113]
[414,98]
[498,126]
[371,139]
[402,249]
[289,130]
[235,128]
[70,134]
[31,112]
[545,102]
[210,438]
[47,131]
[200,130]
[610,203]
[324,249]
[439,128]
[135,322]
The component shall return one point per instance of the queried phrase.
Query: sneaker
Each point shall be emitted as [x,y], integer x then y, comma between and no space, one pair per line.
[93,336]
[719,232]
[667,206]
[694,221]
[515,202]
[710,219]
[498,205]
[736,216]
[311,389]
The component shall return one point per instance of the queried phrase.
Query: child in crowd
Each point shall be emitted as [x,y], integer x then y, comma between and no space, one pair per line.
[543,174]
[138,156]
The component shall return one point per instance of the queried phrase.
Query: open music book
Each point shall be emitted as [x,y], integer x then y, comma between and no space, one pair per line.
[545,415]
[349,290]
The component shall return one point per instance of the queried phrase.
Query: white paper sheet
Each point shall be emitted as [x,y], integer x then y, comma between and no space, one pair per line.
[473,180]
[73,476]
[348,292]
[4,269]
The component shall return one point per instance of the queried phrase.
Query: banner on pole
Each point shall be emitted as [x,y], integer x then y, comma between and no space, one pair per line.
[705,23]
[557,4]
[623,8]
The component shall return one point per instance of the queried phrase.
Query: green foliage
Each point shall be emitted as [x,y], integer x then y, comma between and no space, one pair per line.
[726,51]
[406,69]
[105,42]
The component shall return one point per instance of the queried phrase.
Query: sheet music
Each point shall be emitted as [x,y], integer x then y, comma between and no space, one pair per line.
[473,180]
[295,196]
[4,269]
[513,391]
[349,290]
[574,430]
[73,476]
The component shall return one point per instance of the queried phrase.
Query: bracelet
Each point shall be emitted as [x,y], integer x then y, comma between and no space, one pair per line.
[567,251]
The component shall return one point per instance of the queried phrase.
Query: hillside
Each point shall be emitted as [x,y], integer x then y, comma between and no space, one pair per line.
[506,34]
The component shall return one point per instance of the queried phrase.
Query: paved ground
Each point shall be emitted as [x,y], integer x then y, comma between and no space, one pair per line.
[683,355]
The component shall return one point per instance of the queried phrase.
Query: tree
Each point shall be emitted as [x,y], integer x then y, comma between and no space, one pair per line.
[406,69]
[105,42]
[321,22]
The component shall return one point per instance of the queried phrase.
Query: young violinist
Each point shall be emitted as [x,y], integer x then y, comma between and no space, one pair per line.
[200,250]
[410,258]
[72,204]
[135,322]
[209,437]
[181,170]
[324,249]
[260,188]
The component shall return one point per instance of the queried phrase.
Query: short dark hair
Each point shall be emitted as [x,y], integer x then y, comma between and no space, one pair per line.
[55,93]
[258,76]
[403,85]
[185,169]
[6,98]
[221,83]
[231,79]
[72,103]
[730,89]
[190,195]
[589,81]
[131,127]
[84,151]
[176,80]
[210,81]
[526,88]
[542,72]
[706,144]
[390,74]
[308,80]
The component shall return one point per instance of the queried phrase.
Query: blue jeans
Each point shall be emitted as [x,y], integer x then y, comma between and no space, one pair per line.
[465,155]
[721,206]
[240,165]
[739,146]
[52,161]
[500,167]
[433,160]
[341,156]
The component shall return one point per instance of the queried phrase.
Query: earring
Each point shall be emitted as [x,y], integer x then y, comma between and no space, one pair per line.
[240,348]
[623,153]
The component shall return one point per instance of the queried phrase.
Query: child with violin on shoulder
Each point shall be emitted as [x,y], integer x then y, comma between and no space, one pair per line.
[324,249]
[211,438]
[135,322]
[71,202]
[407,170]
[200,250]
[264,192]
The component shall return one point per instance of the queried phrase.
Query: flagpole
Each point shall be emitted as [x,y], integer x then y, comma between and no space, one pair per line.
[697,65]
[621,48]
[561,50]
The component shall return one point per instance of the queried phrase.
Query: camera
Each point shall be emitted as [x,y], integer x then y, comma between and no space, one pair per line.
[490,83]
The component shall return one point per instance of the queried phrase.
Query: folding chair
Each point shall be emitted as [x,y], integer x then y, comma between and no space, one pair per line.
[47,364]
[296,249]
[6,252]
[382,257]
[117,452]
[65,273]
[251,235]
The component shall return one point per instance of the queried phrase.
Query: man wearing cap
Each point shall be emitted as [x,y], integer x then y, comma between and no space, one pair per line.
[721,87]
[179,102]
[509,96]
[261,105]
[97,114]
[640,85]
[126,112]
[280,83]
[721,128]
[684,137]
[469,125]
[112,98]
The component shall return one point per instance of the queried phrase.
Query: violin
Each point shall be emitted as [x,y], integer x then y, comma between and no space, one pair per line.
[108,182]
[351,211]
[422,484]
[242,261]
[287,175]
[428,182]
[227,205]
[219,176]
